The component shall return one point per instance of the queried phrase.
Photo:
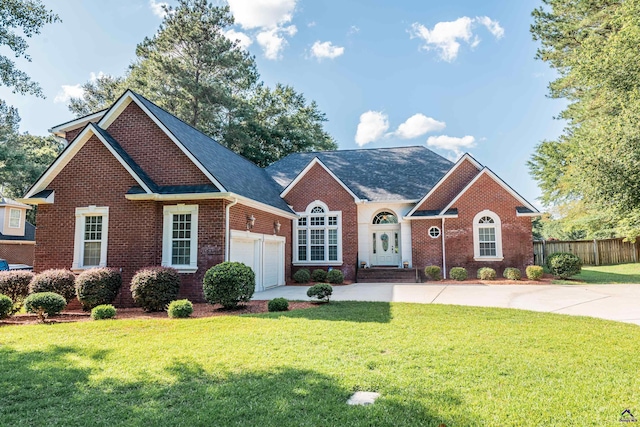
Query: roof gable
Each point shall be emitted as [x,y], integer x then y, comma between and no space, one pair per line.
[312,163]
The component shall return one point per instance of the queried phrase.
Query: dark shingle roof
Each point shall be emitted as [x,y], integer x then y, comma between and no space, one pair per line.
[29,234]
[234,172]
[434,213]
[178,189]
[401,173]
[523,210]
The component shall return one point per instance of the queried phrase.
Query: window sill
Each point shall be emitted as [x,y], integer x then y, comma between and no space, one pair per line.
[184,270]
[328,263]
[488,258]
[81,269]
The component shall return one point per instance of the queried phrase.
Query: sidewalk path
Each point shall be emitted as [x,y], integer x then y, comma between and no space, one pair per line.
[612,302]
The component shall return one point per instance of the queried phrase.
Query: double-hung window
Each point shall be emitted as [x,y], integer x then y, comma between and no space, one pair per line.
[180,238]
[15,218]
[90,246]
[318,237]
[487,236]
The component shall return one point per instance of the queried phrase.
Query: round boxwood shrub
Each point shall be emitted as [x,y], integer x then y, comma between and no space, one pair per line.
[319,275]
[45,304]
[61,282]
[15,285]
[180,309]
[278,304]
[6,306]
[153,288]
[486,273]
[534,272]
[302,276]
[458,273]
[335,276]
[433,272]
[98,286]
[512,273]
[564,265]
[229,284]
[322,291]
[103,311]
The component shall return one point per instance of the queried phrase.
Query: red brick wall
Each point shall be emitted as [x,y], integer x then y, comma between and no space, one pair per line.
[450,188]
[425,249]
[517,246]
[152,149]
[17,253]
[70,135]
[317,184]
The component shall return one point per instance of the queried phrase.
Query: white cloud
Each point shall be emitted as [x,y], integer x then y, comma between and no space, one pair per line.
[493,26]
[451,143]
[67,92]
[264,14]
[273,41]
[326,50]
[243,40]
[372,126]
[311,24]
[353,30]
[446,36]
[156,8]
[418,125]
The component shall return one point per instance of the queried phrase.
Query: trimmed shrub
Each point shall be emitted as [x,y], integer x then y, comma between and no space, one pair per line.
[564,265]
[278,304]
[98,286]
[534,272]
[180,309]
[15,285]
[433,272]
[60,282]
[45,304]
[486,273]
[512,273]
[322,291]
[6,306]
[319,275]
[153,288]
[458,273]
[335,276]
[103,311]
[302,276]
[229,284]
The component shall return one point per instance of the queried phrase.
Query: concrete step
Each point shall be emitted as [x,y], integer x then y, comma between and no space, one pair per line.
[387,275]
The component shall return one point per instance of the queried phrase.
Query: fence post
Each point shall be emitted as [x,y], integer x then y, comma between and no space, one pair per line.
[596,254]
[544,252]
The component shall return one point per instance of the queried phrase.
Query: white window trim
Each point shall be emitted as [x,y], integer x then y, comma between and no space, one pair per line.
[78,246]
[12,210]
[327,214]
[476,236]
[167,232]
[439,232]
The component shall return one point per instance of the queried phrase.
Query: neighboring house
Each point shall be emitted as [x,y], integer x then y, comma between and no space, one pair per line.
[137,187]
[17,236]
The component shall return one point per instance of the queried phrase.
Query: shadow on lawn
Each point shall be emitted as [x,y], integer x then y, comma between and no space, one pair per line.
[346,311]
[55,388]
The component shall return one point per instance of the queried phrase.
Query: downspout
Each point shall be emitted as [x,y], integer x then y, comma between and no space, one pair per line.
[227,243]
[444,253]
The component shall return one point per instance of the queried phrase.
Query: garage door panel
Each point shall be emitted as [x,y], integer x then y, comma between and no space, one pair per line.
[272,262]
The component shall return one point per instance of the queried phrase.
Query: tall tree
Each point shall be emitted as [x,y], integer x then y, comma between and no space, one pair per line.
[20,19]
[97,95]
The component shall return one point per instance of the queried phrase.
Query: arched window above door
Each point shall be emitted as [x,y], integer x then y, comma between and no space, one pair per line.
[385,218]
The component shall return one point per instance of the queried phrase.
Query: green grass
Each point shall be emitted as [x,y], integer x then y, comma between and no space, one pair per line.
[433,364]
[605,274]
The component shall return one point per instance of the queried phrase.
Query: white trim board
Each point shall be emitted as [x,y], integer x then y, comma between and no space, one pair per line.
[63,128]
[307,169]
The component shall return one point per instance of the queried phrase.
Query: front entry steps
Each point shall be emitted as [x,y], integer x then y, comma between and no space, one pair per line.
[387,275]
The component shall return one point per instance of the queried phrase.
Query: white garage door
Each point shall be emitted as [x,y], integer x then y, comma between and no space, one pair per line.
[272,263]
[244,251]
[263,254]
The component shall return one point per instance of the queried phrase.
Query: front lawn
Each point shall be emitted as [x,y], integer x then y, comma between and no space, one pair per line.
[433,364]
[604,274]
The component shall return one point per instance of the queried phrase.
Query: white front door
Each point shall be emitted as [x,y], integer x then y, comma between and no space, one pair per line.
[385,246]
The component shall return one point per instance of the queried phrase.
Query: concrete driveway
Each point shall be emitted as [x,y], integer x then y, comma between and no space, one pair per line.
[612,302]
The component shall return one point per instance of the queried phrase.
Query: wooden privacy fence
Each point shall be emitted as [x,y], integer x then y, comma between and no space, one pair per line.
[591,252]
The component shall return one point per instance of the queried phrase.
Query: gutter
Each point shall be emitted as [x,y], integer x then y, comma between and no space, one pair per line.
[444,253]
[227,243]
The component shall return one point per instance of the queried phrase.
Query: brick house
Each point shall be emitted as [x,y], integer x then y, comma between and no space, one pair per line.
[17,235]
[137,187]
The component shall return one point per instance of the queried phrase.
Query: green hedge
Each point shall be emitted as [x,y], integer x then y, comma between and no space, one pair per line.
[229,284]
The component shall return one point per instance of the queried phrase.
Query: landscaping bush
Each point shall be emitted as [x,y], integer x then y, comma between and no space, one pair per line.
[322,291]
[60,282]
[180,309]
[6,306]
[302,276]
[486,273]
[15,285]
[433,272]
[319,275]
[98,286]
[335,276]
[45,304]
[534,272]
[229,284]
[103,311]
[564,265]
[512,273]
[278,304]
[458,273]
[153,288]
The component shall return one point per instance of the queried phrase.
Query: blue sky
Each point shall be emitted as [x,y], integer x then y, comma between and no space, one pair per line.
[456,76]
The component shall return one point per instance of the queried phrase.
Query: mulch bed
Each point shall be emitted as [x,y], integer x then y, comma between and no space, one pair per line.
[546,279]
[199,310]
